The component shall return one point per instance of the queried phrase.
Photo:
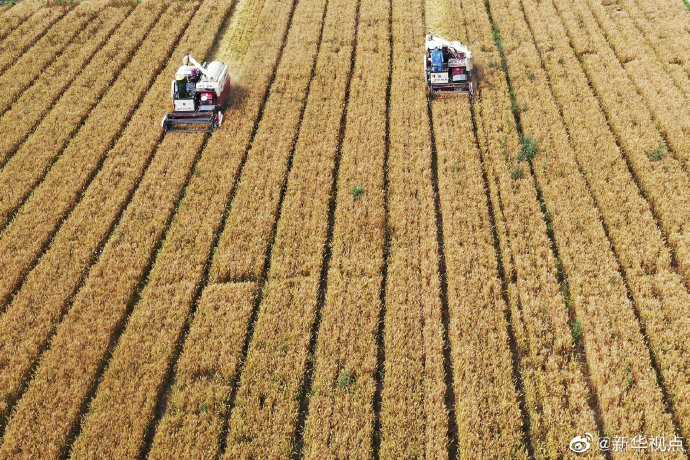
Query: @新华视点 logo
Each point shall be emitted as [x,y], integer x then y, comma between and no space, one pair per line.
[581,444]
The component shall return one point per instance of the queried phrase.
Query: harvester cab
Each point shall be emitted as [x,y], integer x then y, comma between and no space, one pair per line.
[448,66]
[198,94]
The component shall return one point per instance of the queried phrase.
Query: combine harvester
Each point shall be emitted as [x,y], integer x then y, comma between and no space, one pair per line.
[198,93]
[448,67]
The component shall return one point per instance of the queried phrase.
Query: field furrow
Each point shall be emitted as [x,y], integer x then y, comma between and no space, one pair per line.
[628,395]
[13,17]
[415,408]
[180,270]
[554,387]
[657,290]
[27,323]
[68,46]
[27,34]
[340,411]
[89,154]
[33,158]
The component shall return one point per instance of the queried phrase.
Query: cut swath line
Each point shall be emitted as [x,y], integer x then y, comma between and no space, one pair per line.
[453,442]
[380,333]
[512,341]
[308,379]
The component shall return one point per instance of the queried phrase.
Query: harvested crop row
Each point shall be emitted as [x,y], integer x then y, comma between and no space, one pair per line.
[13,17]
[78,28]
[629,397]
[414,415]
[29,164]
[26,236]
[241,34]
[178,273]
[243,244]
[123,261]
[197,409]
[666,102]
[658,291]
[28,33]
[554,388]
[478,329]
[30,318]
[340,419]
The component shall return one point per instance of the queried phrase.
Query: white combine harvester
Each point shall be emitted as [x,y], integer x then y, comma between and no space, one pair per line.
[198,93]
[448,66]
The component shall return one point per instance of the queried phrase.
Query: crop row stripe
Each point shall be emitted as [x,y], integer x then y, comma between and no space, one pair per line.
[13,17]
[56,49]
[665,101]
[28,34]
[621,371]
[179,270]
[554,387]
[414,415]
[665,22]
[661,178]
[193,423]
[671,52]
[123,259]
[27,236]
[244,242]
[270,395]
[658,291]
[41,302]
[212,386]
[340,416]
[84,29]
[476,307]
[477,322]
[32,158]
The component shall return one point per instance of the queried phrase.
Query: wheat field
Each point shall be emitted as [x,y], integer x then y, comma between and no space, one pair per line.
[347,267]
